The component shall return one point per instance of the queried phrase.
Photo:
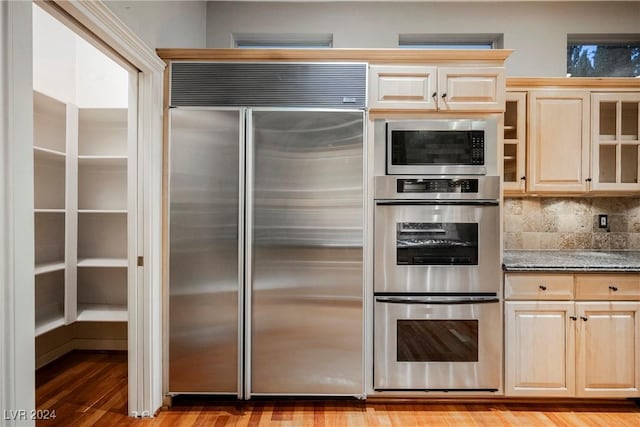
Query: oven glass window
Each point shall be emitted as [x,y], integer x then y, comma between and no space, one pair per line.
[421,147]
[437,341]
[437,243]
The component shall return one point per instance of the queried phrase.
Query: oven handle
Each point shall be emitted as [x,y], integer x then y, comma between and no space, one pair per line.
[439,300]
[437,202]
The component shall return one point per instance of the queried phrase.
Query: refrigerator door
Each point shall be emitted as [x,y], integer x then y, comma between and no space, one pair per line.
[204,262]
[305,257]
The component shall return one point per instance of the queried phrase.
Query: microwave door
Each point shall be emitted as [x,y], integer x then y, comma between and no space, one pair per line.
[441,147]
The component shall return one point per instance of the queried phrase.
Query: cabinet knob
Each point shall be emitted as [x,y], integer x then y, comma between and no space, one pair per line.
[573,318]
[434,94]
[522,178]
[588,180]
[613,288]
[543,287]
[444,95]
[584,318]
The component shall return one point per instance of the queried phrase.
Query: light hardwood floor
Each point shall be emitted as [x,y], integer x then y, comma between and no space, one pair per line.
[90,389]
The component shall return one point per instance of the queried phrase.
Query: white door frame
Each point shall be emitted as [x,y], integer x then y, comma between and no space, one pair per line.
[16,196]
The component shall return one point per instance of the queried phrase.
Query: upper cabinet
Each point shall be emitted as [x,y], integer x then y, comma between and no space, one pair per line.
[471,89]
[558,141]
[582,136]
[403,87]
[429,88]
[515,133]
[614,141]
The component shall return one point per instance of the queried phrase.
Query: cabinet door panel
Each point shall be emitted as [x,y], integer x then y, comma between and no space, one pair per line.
[558,150]
[402,87]
[615,163]
[471,89]
[539,349]
[607,363]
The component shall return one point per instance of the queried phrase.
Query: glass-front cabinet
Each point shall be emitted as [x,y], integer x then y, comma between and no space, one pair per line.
[615,133]
[514,142]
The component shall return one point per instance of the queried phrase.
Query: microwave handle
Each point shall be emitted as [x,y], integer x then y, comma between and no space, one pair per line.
[438,300]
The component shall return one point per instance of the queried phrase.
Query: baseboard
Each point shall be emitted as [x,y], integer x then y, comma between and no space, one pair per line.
[79,344]
[54,354]
[93,344]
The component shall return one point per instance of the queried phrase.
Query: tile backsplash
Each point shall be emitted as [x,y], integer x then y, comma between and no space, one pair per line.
[571,223]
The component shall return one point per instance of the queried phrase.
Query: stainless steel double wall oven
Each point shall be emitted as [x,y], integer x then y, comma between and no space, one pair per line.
[437,261]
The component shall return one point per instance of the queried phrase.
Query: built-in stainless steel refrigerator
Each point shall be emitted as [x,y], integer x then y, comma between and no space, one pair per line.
[266,251]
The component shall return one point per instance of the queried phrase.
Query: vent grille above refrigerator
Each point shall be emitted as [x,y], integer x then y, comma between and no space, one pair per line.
[268,85]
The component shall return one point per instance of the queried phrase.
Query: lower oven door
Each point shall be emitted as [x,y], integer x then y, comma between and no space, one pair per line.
[438,343]
[437,247]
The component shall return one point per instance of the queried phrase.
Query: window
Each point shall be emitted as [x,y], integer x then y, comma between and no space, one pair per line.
[603,55]
[450,41]
[282,41]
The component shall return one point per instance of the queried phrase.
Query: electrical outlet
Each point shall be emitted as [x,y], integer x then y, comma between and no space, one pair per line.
[603,221]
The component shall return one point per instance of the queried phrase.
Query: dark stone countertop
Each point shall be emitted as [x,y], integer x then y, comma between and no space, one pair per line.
[568,261]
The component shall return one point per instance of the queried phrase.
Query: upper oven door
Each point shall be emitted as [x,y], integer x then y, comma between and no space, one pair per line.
[436,147]
[436,246]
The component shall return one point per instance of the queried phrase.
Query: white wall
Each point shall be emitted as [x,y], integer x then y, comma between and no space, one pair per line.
[54,57]
[535,30]
[69,69]
[174,24]
[100,82]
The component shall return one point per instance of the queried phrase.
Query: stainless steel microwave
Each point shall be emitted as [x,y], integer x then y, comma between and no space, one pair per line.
[439,146]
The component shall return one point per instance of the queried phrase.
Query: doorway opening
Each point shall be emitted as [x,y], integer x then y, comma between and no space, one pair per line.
[85,193]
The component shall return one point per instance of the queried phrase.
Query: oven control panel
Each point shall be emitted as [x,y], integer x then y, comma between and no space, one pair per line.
[426,185]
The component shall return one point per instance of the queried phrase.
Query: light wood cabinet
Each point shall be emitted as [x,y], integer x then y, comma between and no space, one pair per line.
[539,353]
[430,88]
[82,205]
[514,145]
[471,89]
[582,136]
[608,349]
[403,87]
[558,141]
[572,347]
[538,286]
[615,142]
[610,287]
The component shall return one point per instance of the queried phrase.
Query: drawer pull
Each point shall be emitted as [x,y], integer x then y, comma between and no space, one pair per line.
[584,318]
[543,287]
[573,318]
[613,288]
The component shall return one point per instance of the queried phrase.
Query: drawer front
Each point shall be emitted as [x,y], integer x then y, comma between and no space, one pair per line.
[537,286]
[608,287]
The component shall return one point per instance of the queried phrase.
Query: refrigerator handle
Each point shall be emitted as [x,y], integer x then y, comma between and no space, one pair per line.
[241,252]
[247,195]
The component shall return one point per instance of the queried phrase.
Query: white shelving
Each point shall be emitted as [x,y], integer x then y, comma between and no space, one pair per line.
[102,215]
[81,213]
[102,313]
[102,236]
[102,186]
[102,132]
[103,262]
[49,179]
[102,293]
[49,304]
[49,267]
